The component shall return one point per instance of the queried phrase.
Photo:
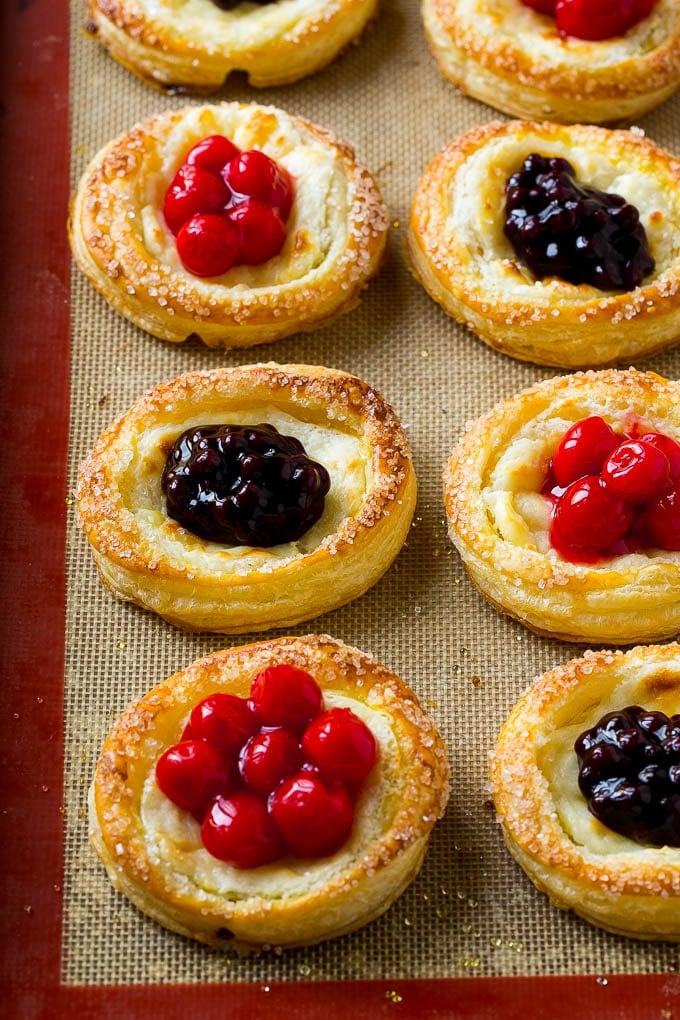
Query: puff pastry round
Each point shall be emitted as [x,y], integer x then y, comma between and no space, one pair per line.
[336,232]
[144,556]
[152,850]
[461,256]
[193,45]
[499,521]
[512,58]
[610,880]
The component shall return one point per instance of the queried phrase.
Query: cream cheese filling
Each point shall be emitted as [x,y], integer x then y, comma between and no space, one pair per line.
[316,231]
[512,483]
[173,845]
[558,762]
[346,457]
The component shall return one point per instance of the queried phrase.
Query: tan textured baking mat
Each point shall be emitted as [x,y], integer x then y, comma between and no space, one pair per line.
[471,911]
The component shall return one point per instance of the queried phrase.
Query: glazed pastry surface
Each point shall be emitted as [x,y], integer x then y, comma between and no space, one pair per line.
[152,849]
[145,557]
[499,521]
[460,254]
[512,58]
[195,45]
[610,880]
[335,240]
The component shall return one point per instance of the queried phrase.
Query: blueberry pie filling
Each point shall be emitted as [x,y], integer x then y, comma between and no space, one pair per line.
[630,774]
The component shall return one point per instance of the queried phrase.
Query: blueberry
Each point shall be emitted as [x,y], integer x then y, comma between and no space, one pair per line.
[629,772]
[561,227]
[243,485]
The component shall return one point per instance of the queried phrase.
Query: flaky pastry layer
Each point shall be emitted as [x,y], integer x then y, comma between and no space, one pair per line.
[499,521]
[335,241]
[611,881]
[144,556]
[460,254]
[512,58]
[194,45]
[152,849]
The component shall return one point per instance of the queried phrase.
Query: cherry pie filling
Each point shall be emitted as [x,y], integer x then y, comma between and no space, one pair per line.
[613,493]
[227,207]
[593,19]
[271,775]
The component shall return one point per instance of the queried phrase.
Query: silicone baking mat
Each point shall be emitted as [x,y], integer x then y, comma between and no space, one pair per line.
[471,930]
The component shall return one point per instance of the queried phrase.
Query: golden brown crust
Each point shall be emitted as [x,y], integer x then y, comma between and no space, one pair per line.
[152,850]
[460,254]
[499,521]
[145,557]
[336,233]
[194,46]
[611,881]
[513,58]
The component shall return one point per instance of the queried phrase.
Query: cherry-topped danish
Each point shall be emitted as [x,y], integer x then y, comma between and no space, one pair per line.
[233,222]
[248,498]
[554,244]
[585,778]
[573,61]
[194,45]
[274,794]
[564,503]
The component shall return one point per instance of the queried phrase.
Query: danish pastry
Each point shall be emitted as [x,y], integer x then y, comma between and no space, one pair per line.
[156,851]
[195,46]
[200,568]
[547,533]
[597,296]
[332,232]
[625,883]
[514,59]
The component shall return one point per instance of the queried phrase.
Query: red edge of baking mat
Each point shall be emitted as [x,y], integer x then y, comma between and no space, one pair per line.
[34,364]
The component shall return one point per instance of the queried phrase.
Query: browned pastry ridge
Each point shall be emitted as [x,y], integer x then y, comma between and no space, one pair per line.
[582,865]
[145,557]
[335,240]
[152,850]
[499,521]
[460,254]
[512,58]
[194,45]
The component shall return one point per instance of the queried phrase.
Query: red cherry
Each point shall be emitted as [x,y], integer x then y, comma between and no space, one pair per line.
[583,449]
[286,696]
[542,6]
[589,516]
[212,153]
[341,745]
[641,9]
[268,758]
[636,471]
[586,19]
[253,174]
[192,190]
[192,773]
[208,245]
[314,819]
[261,231]
[662,521]
[238,829]
[669,447]
[224,720]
